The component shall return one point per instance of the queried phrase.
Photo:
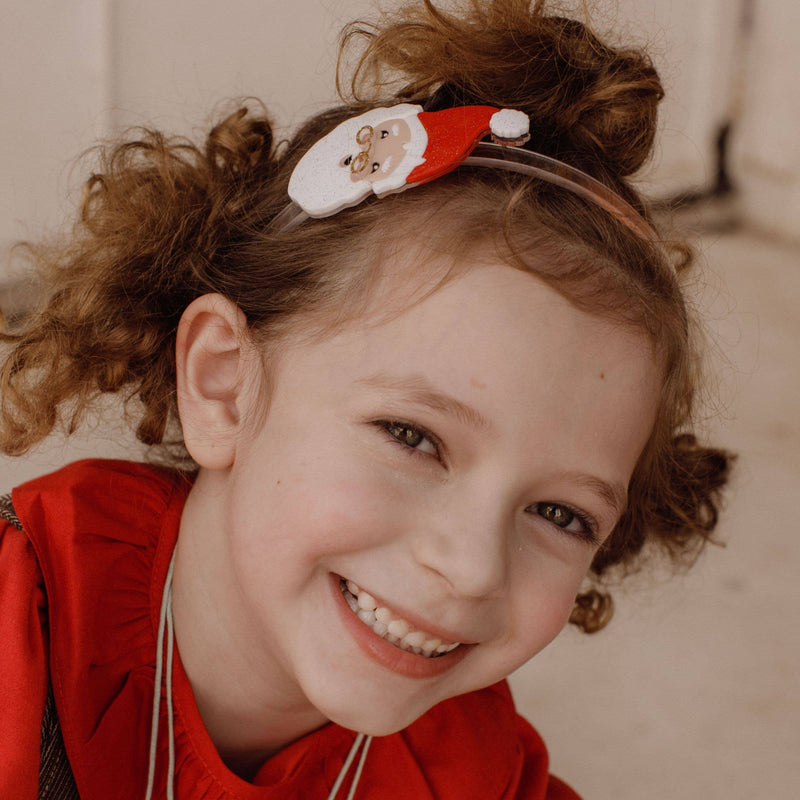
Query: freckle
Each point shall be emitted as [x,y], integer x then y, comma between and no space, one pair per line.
[477,384]
[279,483]
[602,376]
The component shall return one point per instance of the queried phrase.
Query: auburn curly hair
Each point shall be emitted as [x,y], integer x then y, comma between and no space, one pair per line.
[163,221]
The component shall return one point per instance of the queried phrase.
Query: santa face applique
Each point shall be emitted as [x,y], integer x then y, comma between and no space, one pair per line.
[387,150]
[339,170]
[381,152]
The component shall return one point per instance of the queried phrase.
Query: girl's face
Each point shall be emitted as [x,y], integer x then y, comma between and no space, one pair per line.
[459,463]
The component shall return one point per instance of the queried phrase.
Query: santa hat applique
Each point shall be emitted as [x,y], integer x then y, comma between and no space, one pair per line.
[387,150]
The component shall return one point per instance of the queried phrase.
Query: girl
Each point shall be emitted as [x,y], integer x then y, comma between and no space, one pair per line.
[415,386]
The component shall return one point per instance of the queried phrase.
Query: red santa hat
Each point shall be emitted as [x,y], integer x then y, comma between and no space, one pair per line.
[454,132]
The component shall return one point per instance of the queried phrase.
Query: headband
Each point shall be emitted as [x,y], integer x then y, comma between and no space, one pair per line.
[388,150]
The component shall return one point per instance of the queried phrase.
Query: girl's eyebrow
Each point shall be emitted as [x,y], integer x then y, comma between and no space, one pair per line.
[419,390]
[614,495]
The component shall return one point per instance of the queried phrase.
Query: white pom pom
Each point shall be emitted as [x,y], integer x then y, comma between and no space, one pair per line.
[510,124]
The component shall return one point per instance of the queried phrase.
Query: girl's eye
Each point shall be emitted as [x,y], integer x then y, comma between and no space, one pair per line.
[568,519]
[375,166]
[558,515]
[384,134]
[412,437]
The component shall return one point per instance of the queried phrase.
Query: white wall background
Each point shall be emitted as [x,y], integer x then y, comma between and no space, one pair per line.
[75,70]
[55,99]
[767,151]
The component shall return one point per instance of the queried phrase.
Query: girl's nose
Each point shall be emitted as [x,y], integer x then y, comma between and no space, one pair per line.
[468,549]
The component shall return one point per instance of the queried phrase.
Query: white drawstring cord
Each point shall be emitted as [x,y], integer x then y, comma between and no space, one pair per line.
[346,766]
[359,768]
[170,709]
[166,626]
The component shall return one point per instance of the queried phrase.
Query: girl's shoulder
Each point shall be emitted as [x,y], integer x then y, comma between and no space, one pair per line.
[23,662]
[97,479]
[98,528]
[89,506]
[99,534]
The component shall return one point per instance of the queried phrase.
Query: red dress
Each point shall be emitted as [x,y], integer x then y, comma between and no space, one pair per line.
[81,591]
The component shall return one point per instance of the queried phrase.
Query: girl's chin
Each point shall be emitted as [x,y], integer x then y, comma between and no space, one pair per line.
[374,716]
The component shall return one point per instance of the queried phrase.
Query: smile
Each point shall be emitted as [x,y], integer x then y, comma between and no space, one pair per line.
[390,627]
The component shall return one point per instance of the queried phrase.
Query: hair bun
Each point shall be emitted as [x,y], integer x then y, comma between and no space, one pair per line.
[588,102]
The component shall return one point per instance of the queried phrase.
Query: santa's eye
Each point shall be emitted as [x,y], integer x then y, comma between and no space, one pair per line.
[364,135]
[359,163]
[375,166]
[347,160]
[384,134]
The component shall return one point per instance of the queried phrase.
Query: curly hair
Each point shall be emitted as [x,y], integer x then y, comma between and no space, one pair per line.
[164,221]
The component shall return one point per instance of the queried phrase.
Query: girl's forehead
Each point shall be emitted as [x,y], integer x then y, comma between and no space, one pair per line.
[485,322]
[407,273]
[493,305]
[479,290]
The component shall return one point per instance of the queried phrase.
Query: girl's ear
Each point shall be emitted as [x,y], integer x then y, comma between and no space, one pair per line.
[211,352]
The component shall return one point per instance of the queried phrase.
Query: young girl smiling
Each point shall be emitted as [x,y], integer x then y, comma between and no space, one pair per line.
[414,424]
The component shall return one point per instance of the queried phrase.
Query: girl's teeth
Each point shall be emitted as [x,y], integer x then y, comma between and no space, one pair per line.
[415,639]
[393,629]
[367,617]
[383,615]
[366,601]
[351,601]
[430,646]
[398,628]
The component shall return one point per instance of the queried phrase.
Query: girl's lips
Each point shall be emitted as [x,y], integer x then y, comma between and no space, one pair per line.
[419,624]
[388,655]
[390,626]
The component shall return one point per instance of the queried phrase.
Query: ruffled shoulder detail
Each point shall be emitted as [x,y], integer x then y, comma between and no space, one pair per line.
[23,662]
[100,529]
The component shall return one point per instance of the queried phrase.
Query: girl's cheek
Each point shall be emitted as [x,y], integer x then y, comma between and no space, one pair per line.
[543,594]
[353,518]
[352,512]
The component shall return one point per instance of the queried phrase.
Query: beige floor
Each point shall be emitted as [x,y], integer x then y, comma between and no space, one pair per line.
[693,692]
